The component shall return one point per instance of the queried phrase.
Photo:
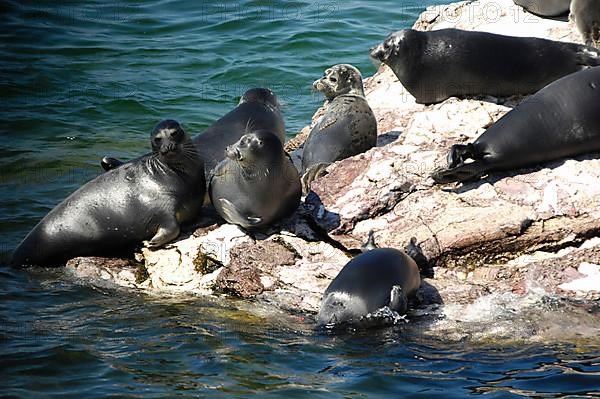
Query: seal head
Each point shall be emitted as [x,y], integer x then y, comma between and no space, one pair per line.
[340,79]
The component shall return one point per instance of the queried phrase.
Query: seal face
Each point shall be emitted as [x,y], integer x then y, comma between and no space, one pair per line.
[145,199]
[257,183]
[561,120]
[586,14]
[375,279]
[545,8]
[348,127]
[436,65]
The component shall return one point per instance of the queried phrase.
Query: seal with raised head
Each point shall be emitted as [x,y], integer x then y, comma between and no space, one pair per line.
[146,199]
[586,14]
[545,8]
[436,65]
[376,278]
[258,109]
[257,184]
[559,121]
[348,127]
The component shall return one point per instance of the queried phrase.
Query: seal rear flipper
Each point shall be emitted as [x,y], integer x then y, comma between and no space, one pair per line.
[233,215]
[462,173]
[109,163]
[398,300]
[312,173]
[413,249]
[588,56]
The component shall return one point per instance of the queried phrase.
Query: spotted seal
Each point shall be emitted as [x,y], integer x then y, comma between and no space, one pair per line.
[348,127]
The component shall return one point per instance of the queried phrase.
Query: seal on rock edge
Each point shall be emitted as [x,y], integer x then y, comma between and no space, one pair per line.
[436,65]
[545,8]
[376,278]
[348,127]
[586,14]
[145,199]
[561,120]
[257,184]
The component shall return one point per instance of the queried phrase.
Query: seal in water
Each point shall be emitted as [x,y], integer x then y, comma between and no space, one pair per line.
[559,121]
[348,127]
[586,14]
[545,8]
[439,64]
[146,199]
[258,109]
[257,184]
[376,278]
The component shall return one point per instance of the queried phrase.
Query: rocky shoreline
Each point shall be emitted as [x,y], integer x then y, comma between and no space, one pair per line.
[510,232]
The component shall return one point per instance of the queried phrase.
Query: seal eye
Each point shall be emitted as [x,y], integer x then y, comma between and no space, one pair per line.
[157,140]
[333,79]
[176,134]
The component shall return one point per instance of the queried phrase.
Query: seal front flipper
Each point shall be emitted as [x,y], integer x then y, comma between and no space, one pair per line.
[461,173]
[166,233]
[311,174]
[109,163]
[398,300]
[464,163]
[235,216]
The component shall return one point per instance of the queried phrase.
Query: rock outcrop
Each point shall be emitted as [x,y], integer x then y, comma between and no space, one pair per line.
[510,232]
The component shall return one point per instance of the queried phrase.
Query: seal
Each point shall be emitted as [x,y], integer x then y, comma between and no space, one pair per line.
[436,65]
[561,120]
[586,14]
[258,109]
[348,127]
[257,184]
[146,199]
[545,8]
[376,278]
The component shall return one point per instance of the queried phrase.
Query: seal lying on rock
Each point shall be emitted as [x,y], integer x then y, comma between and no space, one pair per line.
[559,121]
[347,128]
[545,8]
[146,199]
[586,14]
[439,64]
[258,109]
[257,184]
[377,278]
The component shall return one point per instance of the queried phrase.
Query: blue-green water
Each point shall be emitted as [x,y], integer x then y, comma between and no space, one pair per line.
[84,79]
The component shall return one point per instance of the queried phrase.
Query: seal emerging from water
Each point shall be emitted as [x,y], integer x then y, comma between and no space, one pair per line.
[586,14]
[545,8]
[257,184]
[561,120]
[348,127]
[146,199]
[436,65]
[377,278]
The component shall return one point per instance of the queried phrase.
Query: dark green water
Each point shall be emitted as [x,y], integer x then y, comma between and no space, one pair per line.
[84,79]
